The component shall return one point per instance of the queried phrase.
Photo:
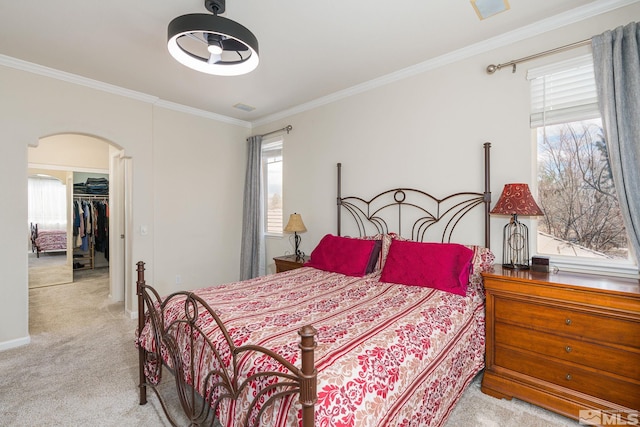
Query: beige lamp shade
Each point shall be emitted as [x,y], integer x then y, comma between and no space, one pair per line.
[295,224]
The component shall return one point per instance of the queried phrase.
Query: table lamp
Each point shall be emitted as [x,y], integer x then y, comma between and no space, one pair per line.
[516,199]
[295,226]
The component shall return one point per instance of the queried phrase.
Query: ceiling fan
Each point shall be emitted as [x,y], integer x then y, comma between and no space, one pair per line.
[213,44]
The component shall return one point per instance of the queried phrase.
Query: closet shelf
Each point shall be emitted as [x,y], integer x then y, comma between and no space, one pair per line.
[81,259]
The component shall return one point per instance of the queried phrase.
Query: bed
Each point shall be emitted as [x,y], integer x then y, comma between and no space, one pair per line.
[374,346]
[47,240]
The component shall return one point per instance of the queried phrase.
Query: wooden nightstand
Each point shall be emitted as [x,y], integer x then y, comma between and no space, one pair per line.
[289,262]
[565,341]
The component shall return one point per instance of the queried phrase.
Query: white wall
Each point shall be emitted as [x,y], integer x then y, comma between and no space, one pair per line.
[198,191]
[425,131]
[69,151]
[179,162]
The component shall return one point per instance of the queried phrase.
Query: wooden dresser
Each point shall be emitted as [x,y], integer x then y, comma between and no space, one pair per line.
[566,342]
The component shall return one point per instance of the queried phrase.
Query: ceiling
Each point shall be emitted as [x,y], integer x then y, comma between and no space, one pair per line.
[308,50]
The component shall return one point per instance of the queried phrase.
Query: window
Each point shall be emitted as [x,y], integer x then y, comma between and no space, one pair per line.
[582,224]
[47,203]
[272,181]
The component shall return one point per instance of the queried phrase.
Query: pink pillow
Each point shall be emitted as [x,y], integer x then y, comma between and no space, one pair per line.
[444,266]
[352,257]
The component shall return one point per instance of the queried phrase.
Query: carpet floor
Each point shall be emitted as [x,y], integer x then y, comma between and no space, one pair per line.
[80,369]
[49,269]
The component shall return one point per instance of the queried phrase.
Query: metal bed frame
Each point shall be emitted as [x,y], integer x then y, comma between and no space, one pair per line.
[424,210]
[199,406]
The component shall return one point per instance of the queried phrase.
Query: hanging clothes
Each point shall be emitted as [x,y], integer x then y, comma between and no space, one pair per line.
[102,227]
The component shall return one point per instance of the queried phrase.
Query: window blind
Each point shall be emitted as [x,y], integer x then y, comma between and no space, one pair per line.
[563,92]
[272,151]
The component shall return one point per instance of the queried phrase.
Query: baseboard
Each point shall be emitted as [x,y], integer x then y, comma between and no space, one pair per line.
[6,345]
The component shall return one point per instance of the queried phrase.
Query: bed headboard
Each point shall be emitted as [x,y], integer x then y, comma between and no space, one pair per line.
[415,210]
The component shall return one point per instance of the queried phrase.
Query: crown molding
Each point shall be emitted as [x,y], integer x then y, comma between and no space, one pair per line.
[64,76]
[201,113]
[41,70]
[540,27]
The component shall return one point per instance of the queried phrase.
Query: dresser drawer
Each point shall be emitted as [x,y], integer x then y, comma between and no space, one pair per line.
[609,388]
[613,360]
[568,322]
[565,341]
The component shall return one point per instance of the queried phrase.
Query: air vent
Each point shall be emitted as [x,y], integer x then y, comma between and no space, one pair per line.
[244,107]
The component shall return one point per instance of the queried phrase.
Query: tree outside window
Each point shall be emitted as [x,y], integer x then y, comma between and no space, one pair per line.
[576,192]
[582,225]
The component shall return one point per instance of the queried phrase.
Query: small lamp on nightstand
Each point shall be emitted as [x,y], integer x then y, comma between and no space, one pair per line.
[516,199]
[295,226]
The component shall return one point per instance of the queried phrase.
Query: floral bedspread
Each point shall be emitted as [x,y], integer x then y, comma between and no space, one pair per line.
[49,240]
[387,354]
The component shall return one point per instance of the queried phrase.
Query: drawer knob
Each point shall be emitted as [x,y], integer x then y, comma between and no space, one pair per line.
[568,349]
[567,322]
[568,377]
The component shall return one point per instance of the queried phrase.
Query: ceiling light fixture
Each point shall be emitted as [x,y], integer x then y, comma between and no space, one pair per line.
[212,44]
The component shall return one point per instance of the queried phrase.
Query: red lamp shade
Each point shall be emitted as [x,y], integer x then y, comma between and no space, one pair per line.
[516,199]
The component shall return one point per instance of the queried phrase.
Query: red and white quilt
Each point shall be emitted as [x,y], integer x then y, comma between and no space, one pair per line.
[50,240]
[387,354]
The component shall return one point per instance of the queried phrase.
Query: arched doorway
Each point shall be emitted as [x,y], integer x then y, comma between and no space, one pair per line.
[86,158]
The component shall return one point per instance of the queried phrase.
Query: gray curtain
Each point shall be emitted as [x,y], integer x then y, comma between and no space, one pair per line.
[252,251]
[616,58]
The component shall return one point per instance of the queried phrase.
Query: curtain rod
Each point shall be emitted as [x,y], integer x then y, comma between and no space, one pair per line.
[493,68]
[288,128]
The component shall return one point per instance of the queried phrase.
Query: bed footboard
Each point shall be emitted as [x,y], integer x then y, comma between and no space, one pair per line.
[179,346]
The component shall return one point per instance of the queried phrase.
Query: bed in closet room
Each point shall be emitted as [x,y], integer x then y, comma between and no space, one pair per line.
[387,328]
[47,240]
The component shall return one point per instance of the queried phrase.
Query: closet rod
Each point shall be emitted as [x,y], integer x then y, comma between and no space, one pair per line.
[287,128]
[493,68]
[90,196]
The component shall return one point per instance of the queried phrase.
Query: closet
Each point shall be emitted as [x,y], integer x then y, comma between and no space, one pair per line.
[90,221]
